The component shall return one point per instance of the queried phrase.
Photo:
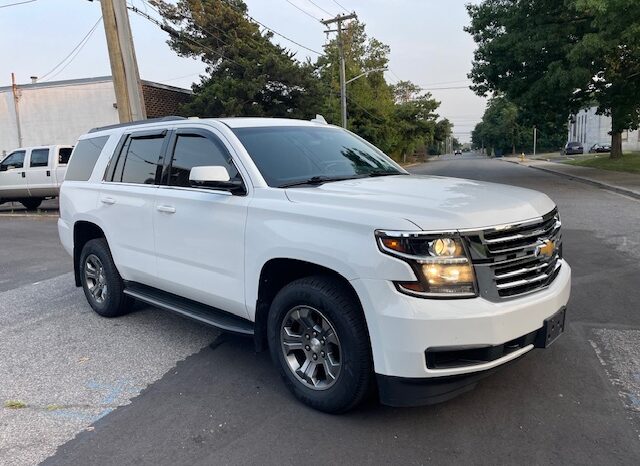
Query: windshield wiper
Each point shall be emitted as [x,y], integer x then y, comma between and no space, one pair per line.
[315,181]
[374,174]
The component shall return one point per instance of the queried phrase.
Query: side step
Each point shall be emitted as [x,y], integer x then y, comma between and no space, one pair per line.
[188,308]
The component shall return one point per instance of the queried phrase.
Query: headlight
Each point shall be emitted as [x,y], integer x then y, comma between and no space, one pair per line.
[440,262]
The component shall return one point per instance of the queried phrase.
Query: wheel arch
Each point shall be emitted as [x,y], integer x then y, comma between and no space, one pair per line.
[83,232]
[277,273]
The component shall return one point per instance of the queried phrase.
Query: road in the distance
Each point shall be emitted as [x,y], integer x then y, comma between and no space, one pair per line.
[225,404]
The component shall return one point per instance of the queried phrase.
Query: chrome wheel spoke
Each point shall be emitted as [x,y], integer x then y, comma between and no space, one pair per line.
[311,347]
[95,278]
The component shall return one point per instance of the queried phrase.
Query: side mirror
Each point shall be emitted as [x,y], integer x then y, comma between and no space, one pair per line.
[215,177]
[3,168]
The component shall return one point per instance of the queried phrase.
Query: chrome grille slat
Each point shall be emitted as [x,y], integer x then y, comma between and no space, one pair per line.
[510,253]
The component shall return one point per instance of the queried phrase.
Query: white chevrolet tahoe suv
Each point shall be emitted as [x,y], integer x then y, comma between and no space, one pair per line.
[31,174]
[354,274]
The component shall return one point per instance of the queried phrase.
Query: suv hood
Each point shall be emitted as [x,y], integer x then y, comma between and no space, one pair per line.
[430,202]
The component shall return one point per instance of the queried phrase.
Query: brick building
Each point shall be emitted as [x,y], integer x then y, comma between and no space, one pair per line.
[59,112]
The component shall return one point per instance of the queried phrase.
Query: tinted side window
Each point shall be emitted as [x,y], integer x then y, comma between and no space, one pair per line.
[193,150]
[39,158]
[140,163]
[13,160]
[85,156]
[64,154]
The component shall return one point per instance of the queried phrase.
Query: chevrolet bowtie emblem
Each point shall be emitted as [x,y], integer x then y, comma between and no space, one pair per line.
[546,248]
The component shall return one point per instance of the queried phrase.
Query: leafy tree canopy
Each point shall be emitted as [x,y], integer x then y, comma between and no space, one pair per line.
[553,57]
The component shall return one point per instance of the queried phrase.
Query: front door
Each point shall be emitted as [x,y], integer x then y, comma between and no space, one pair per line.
[13,182]
[200,232]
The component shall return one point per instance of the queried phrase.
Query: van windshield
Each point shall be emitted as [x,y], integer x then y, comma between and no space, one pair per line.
[295,155]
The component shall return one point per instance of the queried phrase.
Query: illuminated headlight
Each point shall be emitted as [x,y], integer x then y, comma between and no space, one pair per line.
[441,264]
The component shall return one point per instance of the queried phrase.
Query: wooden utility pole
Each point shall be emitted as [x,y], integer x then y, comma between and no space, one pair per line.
[124,67]
[343,79]
[16,106]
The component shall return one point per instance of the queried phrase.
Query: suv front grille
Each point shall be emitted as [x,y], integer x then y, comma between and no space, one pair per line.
[520,258]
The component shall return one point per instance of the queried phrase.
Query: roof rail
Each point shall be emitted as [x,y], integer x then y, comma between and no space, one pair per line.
[134,123]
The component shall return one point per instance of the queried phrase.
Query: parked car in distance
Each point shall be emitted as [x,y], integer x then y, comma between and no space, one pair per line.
[457,152]
[352,272]
[573,148]
[600,148]
[31,174]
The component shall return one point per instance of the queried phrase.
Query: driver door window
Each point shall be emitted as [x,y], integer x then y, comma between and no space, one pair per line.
[194,150]
[13,161]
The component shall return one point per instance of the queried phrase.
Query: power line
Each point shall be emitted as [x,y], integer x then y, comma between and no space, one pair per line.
[17,3]
[345,10]
[302,10]
[178,34]
[319,7]
[271,29]
[76,49]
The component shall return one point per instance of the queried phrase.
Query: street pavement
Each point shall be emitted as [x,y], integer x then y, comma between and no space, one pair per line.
[150,388]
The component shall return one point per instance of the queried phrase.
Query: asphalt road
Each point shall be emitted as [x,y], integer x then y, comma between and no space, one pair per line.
[153,389]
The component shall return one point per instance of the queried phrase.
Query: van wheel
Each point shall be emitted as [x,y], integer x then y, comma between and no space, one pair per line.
[31,203]
[319,340]
[101,281]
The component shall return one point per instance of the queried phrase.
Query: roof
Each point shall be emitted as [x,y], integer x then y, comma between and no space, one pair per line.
[81,81]
[252,122]
[235,122]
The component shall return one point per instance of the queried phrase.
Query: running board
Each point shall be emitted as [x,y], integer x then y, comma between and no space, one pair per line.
[188,308]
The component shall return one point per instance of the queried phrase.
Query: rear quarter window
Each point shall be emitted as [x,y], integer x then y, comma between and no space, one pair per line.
[84,158]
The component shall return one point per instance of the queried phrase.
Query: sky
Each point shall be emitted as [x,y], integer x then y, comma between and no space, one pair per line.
[428,44]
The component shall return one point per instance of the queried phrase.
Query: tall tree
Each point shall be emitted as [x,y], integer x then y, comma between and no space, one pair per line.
[247,74]
[552,58]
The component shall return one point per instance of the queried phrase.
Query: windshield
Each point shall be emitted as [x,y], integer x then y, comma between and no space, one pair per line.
[294,154]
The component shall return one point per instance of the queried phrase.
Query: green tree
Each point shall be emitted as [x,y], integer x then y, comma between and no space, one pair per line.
[552,58]
[500,129]
[246,74]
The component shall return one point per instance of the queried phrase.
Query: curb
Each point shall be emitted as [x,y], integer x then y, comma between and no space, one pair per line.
[12,214]
[599,184]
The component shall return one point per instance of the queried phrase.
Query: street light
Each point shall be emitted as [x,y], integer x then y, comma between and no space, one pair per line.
[343,101]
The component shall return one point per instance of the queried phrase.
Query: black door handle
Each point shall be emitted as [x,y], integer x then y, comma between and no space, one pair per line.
[24,175]
[48,172]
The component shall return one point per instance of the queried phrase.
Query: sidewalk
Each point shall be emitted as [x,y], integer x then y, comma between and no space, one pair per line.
[620,182]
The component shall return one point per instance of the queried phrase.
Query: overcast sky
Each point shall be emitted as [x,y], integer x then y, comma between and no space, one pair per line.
[428,44]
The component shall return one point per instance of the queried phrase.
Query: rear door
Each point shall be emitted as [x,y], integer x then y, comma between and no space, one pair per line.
[40,178]
[13,182]
[200,232]
[127,201]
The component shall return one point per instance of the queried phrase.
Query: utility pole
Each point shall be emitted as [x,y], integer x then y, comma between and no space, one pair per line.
[16,106]
[124,67]
[535,139]
[343,78]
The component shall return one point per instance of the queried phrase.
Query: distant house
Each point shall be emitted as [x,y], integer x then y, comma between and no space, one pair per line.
[58,112]
[589,128]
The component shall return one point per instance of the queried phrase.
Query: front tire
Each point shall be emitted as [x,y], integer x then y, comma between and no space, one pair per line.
[318,338]
[101,282]
[31,203]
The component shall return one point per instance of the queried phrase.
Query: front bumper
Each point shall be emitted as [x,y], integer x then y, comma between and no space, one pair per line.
[402,328]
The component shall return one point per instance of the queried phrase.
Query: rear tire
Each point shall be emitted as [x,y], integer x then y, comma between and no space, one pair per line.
[31,203]
[316,323]
[101,282]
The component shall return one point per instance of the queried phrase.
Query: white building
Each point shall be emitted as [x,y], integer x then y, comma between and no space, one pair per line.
[59,112]
[589,128]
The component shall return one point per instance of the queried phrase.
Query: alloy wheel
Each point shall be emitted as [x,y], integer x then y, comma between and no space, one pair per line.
[95,278]
[311,347]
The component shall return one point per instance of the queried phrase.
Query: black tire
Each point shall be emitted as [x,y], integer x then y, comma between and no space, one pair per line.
[31,203]
[338,305]
[115,303]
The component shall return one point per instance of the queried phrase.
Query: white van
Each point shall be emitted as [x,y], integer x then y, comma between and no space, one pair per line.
[31,174]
